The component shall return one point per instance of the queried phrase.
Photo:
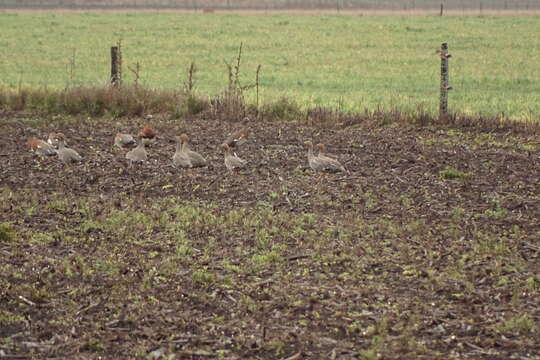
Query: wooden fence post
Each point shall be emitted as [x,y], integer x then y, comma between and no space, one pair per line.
[443,104]
[115,66]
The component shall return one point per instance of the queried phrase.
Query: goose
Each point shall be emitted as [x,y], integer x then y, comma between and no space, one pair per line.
[52,140]
[124,140]
[239,136]
[314,163]
[232,161]
[331,164]
[66,155]
[137,155]
[41,147]
[180,158]
[321,162]
[197,160]
[147,132]
[148,135]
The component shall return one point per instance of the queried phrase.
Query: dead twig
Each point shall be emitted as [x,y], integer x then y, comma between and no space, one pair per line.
[478,349]
[25,300]
[294,357]
[6,356]
[219,177]
[531,246]
[263,282]
[297,257]
[348,178]
[89,307]
[198,353]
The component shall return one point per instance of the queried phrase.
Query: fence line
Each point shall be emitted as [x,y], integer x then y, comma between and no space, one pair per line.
[389,5]
[429,93]
[116,76]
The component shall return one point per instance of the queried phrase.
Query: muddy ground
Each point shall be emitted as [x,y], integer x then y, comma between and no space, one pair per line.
[428,248]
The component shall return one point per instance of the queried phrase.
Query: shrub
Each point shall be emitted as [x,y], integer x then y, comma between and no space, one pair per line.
[94,101]
[195,105]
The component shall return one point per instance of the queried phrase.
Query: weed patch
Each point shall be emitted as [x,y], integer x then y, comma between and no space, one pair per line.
[7,233]
[450,173]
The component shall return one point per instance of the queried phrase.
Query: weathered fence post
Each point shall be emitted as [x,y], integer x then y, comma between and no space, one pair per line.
[115,66]
[443,104]
[442,9]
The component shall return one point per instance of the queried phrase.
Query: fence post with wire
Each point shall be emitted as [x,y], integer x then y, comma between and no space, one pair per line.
[116,66]
[445,87]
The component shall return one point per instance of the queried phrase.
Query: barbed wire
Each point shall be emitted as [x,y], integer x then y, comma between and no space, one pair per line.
[401,5]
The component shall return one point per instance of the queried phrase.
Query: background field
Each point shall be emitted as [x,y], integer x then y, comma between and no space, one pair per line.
[349,62]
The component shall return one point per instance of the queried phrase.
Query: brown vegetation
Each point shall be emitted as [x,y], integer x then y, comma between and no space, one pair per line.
[230,106]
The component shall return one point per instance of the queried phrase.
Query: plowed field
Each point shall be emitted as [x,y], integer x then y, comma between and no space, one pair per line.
[428,248]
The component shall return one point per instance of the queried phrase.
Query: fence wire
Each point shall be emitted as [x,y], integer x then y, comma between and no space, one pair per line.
[391,5]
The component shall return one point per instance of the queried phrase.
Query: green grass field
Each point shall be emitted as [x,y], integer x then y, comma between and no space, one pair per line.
[349,62]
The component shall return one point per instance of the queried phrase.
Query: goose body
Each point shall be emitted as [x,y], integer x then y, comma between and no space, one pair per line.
[137,155]
[232,161]
[197,160]
[314,162]
[53,140]
[66,155]
[239,136]
[147,132]
[41,147]
[330,164]
[321,162]
[123,140]
[180,158]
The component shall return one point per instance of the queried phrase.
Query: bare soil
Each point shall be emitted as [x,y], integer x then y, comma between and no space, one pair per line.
[397,259]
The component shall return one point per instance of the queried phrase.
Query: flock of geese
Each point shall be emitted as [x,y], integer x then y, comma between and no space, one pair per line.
[183,157]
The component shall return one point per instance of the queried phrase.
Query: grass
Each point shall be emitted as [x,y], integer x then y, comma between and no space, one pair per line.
[7,234]
[450,173]
[343,62]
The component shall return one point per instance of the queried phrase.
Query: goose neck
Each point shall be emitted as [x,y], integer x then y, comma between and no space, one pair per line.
[310,151]
[179,146]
